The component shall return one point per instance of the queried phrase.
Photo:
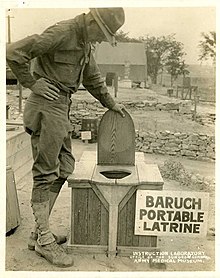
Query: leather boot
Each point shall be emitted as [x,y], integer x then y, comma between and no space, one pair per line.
[46,245]
[60,239]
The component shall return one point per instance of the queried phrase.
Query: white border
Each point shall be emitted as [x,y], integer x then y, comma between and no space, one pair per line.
[5,4]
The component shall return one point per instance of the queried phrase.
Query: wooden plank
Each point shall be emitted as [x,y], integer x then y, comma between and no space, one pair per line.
[148,241]
[10,135]
[79,184]
[132,204]
[80,216]
[142,241]
[139,156]
[94,218]
[100,249]
[150,186]
[132,179]
[92,155]
[72,217]
[88,156]
[145,241]
[126,236]
[154,241]
[149,174]
[16,160]
[127,197]
[122,251]
[86,249]
[22,171]
[113,227]
[25,151]
[122,226]
[130,221]
[104,226]
[83,172]
[19,135]
[11,127]
[12,205]
[100,196]
[113,194]
[16,143]
[14,122]
[116,139]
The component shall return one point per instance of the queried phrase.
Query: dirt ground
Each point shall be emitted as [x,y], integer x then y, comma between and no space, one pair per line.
[19,258]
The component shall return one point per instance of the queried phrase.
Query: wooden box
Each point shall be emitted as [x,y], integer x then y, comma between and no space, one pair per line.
[18,151]
[90,229]
[103,214]
[12,206]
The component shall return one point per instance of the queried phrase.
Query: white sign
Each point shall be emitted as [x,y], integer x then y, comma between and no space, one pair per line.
[86,135]
[171,213]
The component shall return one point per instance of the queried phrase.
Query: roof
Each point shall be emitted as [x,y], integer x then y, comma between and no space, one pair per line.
[124,52]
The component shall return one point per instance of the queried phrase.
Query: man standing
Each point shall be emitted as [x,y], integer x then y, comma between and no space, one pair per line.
[63,60]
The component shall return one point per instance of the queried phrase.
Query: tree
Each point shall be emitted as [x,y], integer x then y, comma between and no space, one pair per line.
[161,52]
[156,49]
[175,65]
[164,52]
[208,47]
[123,37]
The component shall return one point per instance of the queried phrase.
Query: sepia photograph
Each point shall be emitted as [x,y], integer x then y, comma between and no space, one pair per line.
[110,119]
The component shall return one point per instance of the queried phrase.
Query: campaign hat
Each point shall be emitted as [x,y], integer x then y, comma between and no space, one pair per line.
[109,20]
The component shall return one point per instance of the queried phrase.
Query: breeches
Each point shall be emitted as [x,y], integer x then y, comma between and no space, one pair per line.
[48,124]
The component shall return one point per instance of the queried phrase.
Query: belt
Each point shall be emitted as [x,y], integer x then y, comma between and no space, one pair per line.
[63,93]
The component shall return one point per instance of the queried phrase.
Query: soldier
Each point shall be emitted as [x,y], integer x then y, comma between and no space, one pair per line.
[63,60]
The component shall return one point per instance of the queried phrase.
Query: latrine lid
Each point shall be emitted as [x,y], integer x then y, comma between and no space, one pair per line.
[116,139]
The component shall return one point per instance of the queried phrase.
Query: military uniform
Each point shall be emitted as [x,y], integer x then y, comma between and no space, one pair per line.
[64,58]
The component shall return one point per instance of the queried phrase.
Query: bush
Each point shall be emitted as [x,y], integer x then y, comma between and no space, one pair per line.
[173,170]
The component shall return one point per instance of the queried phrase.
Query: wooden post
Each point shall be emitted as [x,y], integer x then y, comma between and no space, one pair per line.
[195,102]
[182,91]
[113,227]
[116,84]
[9,28]
[190,92]
[177,93]
[20,97]
[113,86]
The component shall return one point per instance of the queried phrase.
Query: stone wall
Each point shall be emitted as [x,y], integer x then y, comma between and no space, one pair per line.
[194,146]
[93,109]
[149,104]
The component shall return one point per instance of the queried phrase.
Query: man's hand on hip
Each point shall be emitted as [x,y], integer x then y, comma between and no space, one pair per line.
[119,109]
[43,88]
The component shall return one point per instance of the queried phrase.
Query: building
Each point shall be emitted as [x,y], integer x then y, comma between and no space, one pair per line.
[127,60]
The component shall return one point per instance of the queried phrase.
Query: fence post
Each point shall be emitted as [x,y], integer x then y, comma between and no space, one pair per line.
[20,97]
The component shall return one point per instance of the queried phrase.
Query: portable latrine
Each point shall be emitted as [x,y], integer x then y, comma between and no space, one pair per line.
[104,187]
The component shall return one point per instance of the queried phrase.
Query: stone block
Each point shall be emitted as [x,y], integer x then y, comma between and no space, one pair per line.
[156,145]
[193,147]
[188,153]
[80,106]
[193,137]
[149,150]
[172,145]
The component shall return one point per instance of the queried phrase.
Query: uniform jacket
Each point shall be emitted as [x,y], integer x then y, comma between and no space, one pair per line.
[62,56]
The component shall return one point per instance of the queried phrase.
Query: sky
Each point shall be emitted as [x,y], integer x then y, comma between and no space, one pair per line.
[186,22]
